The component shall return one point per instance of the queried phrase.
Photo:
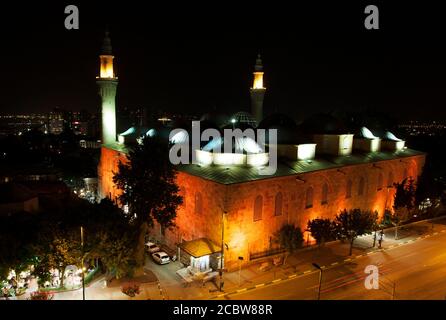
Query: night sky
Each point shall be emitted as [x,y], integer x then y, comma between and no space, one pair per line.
[196,57]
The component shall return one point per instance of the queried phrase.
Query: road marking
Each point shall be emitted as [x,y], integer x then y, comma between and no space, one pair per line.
[435,233]
[370,252]
[334,263]
[277,280]
[305,272]
[419,238]
[260,285]
[292,276]
[323,267]
[242,290]
[359,256]
[443,230]
[348,259]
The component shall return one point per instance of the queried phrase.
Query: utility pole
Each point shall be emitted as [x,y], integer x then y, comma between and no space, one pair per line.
[222,248]
[393,290]
[82,263]
[320,280]
[240,259]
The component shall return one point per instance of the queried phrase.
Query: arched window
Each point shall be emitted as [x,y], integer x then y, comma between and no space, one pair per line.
[278,204]
[380,181]
[361,186]
[390,180]
[324,198]
[348,192]
[309,198]
[198,203]
[258,208]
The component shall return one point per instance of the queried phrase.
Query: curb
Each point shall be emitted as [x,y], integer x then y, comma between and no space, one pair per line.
[294,275]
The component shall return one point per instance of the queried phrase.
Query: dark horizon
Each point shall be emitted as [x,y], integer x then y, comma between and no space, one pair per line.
[187,61]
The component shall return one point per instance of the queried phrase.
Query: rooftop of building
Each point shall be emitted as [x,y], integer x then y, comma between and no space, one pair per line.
[240,174]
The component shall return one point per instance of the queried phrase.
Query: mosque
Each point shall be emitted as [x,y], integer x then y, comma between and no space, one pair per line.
[323,167]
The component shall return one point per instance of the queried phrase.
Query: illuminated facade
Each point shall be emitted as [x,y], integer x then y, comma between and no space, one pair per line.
[252,208]
[319,173]
[107,83]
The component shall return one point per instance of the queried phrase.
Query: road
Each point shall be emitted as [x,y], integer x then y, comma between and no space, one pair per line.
[418,270]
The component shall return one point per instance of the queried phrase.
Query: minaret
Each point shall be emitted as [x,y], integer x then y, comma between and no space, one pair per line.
[257,91]
[107,83]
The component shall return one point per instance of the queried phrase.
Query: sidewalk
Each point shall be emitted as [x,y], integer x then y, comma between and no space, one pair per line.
[168,285]
[332,253]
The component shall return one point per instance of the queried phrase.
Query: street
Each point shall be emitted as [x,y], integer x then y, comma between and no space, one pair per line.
[418,270]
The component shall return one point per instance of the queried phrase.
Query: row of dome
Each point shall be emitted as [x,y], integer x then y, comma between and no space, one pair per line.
[288,132]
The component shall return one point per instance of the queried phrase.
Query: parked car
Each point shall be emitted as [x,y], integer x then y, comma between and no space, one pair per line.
[161,257]
[151,247]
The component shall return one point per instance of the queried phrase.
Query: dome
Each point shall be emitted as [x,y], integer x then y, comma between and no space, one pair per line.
[277,120]
[365,133]
[240,145]
[218,119]
[287,131]
[323,124]
[241,119]
[391,137]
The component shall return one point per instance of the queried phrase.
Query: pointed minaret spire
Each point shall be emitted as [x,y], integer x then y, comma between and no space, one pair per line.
[106,44]
[259,66]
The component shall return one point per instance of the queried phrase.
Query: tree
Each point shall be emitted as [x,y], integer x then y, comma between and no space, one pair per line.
[57,250]
[148,187]
[17,233]
[354,223]
[289,237]
[322,230]
[428,190]
[403,203]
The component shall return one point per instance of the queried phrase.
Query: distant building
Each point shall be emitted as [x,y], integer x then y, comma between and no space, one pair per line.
[89,144]
[56,121]
[15,198]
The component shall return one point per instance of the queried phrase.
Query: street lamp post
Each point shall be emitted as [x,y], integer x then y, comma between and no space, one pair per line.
[222,249]
[320,280]
[82,264]
[240,259]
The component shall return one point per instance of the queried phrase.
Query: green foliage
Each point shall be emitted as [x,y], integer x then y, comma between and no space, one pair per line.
[427,185]
[354,223]
[289,237]
[322,230]
[149,188]
[51,239]
[148,183]
[404,201]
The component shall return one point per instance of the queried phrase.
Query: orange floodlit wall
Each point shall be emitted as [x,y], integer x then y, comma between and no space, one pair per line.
[108,165]
[207,204]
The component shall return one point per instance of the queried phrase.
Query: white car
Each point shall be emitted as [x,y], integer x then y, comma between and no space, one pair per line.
[161,257]
[151,247]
